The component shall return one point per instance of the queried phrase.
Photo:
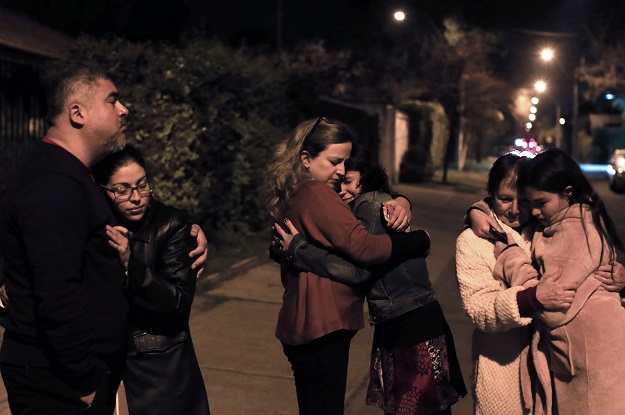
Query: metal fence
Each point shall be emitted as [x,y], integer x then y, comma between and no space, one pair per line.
[22,113]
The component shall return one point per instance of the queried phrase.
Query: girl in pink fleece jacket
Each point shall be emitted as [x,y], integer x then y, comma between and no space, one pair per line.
[572,350]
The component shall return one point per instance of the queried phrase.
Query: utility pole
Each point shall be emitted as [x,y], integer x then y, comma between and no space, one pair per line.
[574,138]
[558,127]
[279,27]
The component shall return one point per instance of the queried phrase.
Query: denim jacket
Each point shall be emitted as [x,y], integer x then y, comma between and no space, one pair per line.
[392,289]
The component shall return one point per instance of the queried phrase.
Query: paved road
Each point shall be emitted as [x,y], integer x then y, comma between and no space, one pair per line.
[234,314]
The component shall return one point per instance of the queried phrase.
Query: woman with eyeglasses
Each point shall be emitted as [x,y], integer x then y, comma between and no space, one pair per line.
[162,375]
[319,317]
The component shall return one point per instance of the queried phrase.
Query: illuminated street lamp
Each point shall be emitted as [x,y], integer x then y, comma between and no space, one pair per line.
[399,15]
[540,86]
[546,54]
[535,100]
[533,110]
[532,117]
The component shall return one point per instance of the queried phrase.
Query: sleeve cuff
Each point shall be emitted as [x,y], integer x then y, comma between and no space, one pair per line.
[527,301]
[297,241]
[396,195]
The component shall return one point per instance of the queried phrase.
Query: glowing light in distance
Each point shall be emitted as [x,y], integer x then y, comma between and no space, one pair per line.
[533,110]
[546,54]
[540,86]
[562,121]
[532,117]
[528,125]
[399,16]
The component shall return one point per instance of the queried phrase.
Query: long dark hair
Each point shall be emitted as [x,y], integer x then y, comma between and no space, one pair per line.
[553,171]
[107,167]
[373,177]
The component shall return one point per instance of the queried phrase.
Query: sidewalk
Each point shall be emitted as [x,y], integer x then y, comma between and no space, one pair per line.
[242,362]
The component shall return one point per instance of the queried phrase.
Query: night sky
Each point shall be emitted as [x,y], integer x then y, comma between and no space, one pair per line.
[340,22]
[527,24]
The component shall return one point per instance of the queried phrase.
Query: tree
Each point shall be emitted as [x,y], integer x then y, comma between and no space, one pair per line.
[456,64]
[206,116]
[604,70]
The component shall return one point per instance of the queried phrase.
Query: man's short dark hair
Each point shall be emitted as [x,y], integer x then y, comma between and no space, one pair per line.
[60,84]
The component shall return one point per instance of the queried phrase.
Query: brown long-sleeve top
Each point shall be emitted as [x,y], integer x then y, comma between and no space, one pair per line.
[313,306]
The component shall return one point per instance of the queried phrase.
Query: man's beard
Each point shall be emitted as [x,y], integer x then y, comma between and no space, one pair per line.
[116,143]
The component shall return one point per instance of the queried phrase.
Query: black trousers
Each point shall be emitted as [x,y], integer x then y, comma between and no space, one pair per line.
[320,371]
[37,390]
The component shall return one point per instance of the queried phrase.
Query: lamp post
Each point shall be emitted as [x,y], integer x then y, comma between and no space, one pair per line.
[279,27]
[574,140]
[548,55]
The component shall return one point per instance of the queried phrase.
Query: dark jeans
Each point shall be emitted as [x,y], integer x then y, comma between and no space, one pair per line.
[37,390]
[320,371]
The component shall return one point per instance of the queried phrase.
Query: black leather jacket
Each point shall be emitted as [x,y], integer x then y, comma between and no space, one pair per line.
[160,282]
[392,289]
[162,374]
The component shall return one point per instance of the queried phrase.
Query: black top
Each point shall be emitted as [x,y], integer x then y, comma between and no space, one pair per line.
[62,277]
[161,283]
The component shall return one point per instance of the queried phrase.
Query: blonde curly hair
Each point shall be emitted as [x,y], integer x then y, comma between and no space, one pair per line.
[286,172]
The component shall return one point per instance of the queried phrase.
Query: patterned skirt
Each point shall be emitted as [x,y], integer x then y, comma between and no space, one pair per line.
[423,378]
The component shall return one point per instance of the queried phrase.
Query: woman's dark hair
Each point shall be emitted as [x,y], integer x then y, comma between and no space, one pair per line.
[553,171]
[501,170]
[373,177]
[106,168]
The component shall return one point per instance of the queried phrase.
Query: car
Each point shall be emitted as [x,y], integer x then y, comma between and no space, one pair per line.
[616,171]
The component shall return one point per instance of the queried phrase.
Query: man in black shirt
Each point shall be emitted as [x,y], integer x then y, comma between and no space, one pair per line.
[65,333]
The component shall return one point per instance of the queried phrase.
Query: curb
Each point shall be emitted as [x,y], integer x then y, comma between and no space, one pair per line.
[213,280]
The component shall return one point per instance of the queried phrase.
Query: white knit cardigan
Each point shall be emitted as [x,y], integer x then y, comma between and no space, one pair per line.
[501,333]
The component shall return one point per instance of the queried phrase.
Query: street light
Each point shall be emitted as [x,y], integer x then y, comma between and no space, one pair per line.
[546,54]
[399,15]
[540,86]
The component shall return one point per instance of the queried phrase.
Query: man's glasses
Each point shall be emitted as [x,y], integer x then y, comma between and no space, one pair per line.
[123,192]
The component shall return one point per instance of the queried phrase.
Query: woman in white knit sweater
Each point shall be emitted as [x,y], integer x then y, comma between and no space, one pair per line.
[501,314]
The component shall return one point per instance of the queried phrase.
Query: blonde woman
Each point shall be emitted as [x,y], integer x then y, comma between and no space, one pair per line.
[319,317]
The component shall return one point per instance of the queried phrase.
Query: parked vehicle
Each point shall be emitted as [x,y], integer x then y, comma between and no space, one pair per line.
[616,171]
